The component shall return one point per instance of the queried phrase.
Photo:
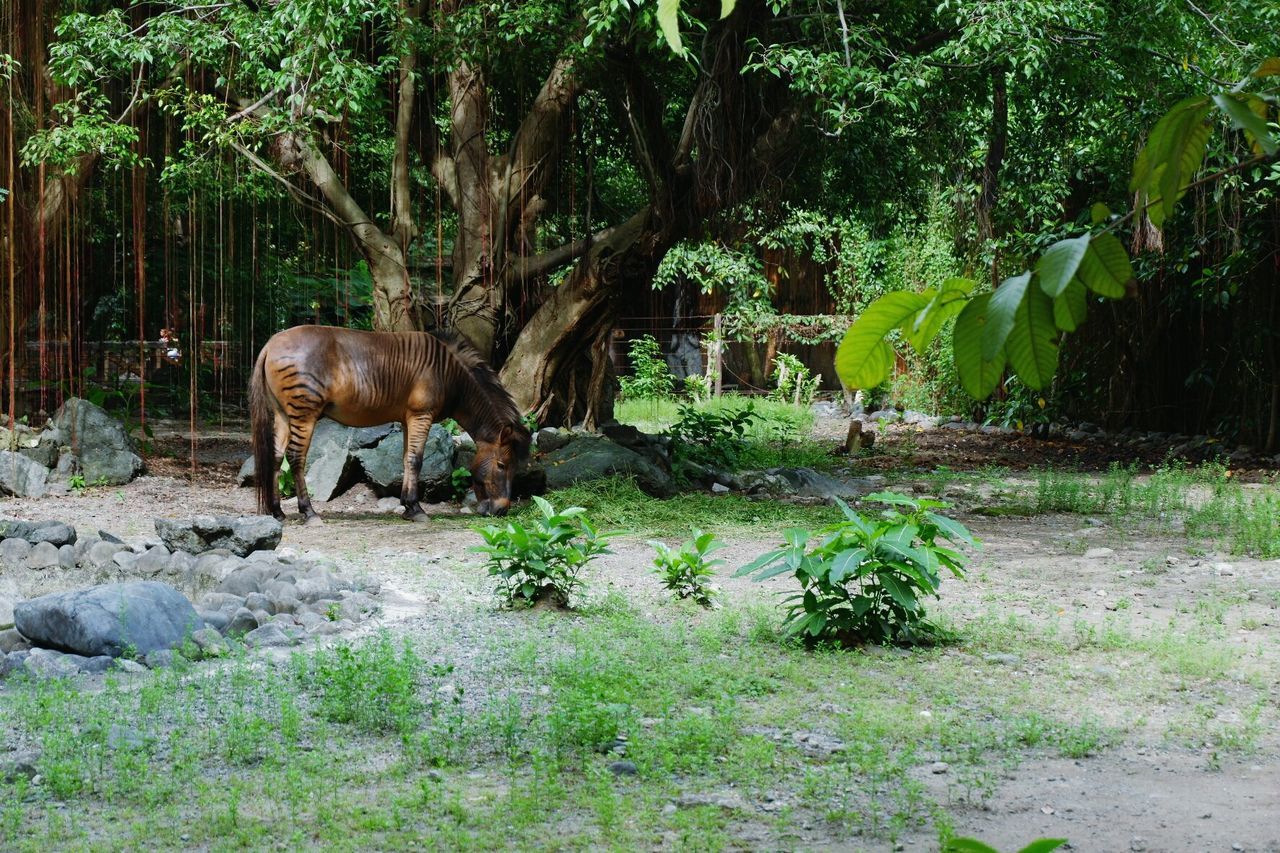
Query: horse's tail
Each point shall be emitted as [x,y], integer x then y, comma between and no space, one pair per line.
[262,416]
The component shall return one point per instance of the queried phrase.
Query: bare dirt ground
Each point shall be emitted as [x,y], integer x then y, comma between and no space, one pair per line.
[1196,761]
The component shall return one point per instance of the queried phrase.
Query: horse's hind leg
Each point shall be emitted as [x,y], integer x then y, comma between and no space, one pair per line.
[300,431]
[416,430]
[281,424]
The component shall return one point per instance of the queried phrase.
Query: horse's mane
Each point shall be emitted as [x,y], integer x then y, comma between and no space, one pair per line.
[502,410]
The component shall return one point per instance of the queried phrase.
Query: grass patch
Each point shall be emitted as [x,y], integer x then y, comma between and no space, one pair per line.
[617,503]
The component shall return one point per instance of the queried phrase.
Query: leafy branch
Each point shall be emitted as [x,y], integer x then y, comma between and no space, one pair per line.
[1020,324]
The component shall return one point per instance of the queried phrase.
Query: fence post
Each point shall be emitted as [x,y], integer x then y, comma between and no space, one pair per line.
[717,347]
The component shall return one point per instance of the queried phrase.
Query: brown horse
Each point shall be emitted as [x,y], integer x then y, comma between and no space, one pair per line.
[369,378]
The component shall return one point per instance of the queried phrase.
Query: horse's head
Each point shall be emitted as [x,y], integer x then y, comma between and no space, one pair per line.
[494,469]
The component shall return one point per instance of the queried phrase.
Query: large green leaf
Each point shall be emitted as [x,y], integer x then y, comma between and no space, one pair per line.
[1032,345]
[669,21]
[1070,308]
[1105,268]
[1059,263]
[864,359]
[945,304]
[1173,153]
[978,377]
[1000,313]
[726,8]
[1244,114]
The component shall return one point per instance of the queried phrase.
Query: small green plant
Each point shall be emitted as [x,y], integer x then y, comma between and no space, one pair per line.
[460,481]
[373,686]
[687,572]
[77,482]
[716,439]
[792,382]
[864,580]
[650,379]
[542,560]
[697,387]
[286,479]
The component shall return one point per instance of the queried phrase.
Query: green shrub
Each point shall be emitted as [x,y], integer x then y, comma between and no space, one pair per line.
[541,560]
[650,379]
[864,580]
[792,382]
[716,439]
[687,572]
[697,387]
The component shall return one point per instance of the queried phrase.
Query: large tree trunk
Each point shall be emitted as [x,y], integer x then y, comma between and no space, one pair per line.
[559,368]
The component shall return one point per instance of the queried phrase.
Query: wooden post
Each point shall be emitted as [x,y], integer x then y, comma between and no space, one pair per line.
[717,360]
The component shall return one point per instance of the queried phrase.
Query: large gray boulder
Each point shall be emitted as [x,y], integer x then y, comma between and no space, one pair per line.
[21,476]
[139,617]
[107,453]
[383,464]
[240,535]
[806,483]
[331,466]
[593,457]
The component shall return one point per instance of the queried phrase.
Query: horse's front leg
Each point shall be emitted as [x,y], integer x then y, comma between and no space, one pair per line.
[416,429]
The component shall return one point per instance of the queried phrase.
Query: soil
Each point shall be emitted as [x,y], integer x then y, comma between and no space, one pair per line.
[1148,793]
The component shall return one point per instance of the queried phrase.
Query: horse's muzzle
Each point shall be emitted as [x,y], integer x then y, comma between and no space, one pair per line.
[494,507]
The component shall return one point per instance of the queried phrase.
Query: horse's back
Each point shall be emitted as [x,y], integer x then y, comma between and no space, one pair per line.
[356,377]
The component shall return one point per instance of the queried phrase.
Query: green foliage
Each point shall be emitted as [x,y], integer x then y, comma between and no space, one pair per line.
[864,579]
[650,380]
[972,845]
[373,686]
[1022,321]
[697,387]
[285,482]
[792,382]
[715,439]
[542,559]
[460,481]
[687,571]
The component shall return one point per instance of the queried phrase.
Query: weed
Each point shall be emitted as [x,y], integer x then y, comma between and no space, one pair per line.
[687,572]
[650,379]
[542,560]
[373,687]
[864,580]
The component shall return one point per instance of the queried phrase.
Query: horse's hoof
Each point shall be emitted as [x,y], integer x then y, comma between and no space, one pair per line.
[416,516]
[314,521]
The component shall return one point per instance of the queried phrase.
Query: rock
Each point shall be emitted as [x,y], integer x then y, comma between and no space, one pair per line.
[23,763]
[719,489]
[1003,659]
[221,601]
[331,469]
[104,448]
[141,616]
[218,620]
[591,458]
[67,557]
[624,768]
[270,634]
[259,601]
[242,622]
[388,504]
[124,560]
[383,464]
[153,561]
[160,658]
[887,415]
[549,439]
[210,643]
[181,564]
[12,641]
[939,767]
[103,553]
[127,665]
[239,535]
[817,743]
[97,664]
[108,537]
[1225,570]
[729,802]
[806,482]
[20,476]
[1099,553]
[14,552]
[14,661]
[43,556]
[35,532]
[46,663]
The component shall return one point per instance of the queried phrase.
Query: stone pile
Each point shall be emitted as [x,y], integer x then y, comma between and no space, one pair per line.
[81,440]
[246,591]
